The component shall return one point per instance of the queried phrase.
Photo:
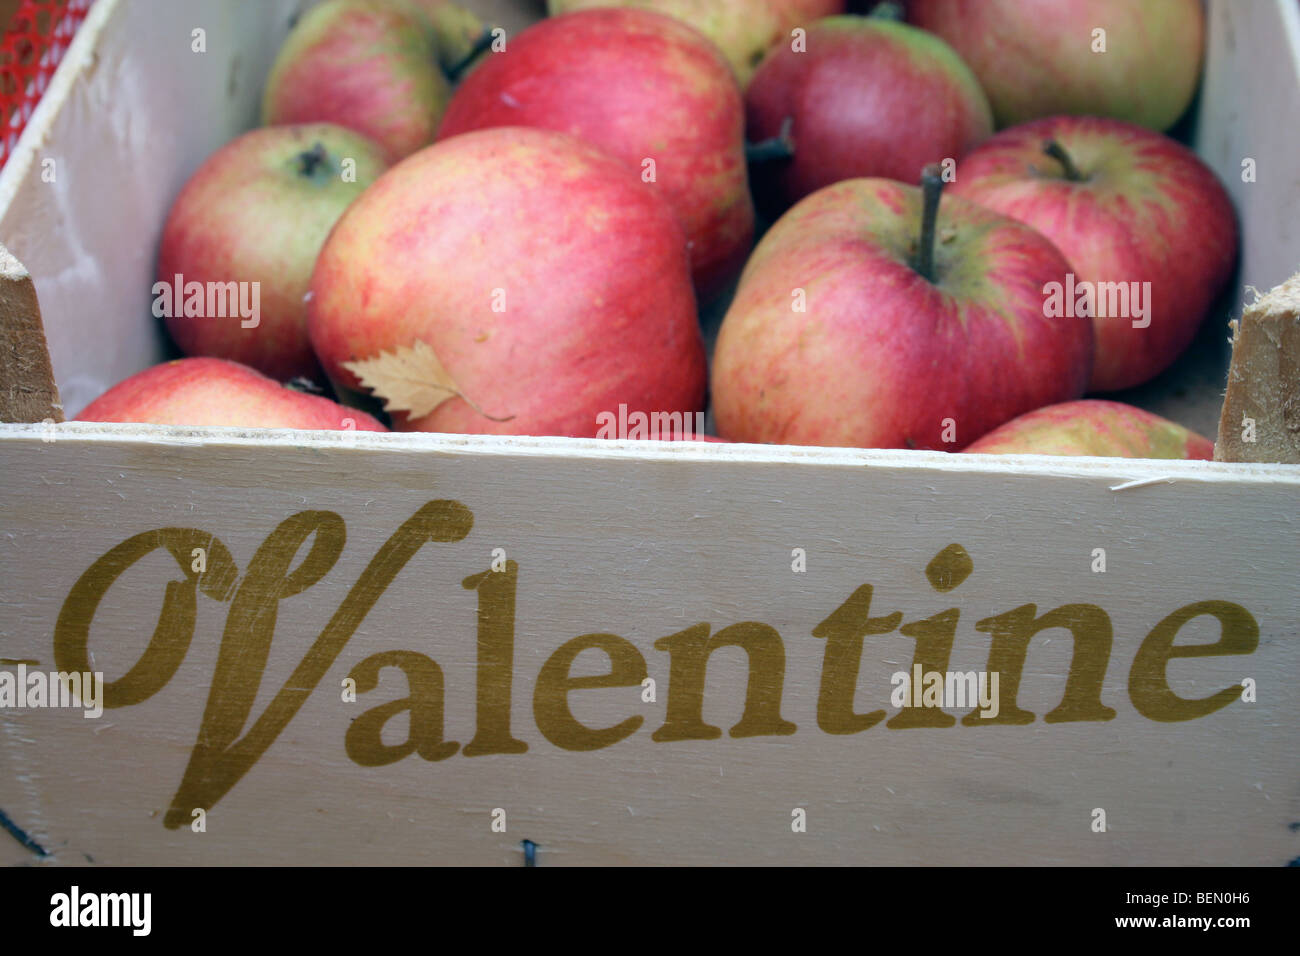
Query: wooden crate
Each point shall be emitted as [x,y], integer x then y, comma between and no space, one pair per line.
[480,577]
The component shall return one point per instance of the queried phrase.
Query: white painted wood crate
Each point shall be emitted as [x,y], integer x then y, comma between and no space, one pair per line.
[639,540]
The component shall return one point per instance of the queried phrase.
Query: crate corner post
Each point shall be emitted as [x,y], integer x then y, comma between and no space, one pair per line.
[29,393]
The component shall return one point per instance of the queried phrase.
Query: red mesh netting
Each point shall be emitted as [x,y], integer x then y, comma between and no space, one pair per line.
[38,35]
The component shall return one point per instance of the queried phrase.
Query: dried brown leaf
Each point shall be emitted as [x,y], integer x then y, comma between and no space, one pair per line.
[410,379]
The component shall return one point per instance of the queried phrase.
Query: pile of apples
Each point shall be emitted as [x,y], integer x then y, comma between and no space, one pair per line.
[500,234]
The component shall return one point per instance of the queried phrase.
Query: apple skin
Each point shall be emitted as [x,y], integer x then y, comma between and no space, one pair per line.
[1094,427]
[870,97]
[369,65]
[597,291]
[1034,58]
[744,30]
[209,391]
[455,29]
[640,85]
[1149,211]
[258,210]
[881,356]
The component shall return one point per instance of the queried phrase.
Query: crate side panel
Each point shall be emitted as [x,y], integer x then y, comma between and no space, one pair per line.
[107,154]
[1250,111]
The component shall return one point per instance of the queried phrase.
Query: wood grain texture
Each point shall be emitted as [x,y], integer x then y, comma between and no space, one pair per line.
[642,542]
[27,389]
[1261,411]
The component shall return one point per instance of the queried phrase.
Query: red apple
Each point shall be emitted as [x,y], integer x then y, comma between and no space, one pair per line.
[210,391]
[853,326]
[369,65]
[1042,57]
[511,281]
[645,88]
[869,97]
[256,214]
[743,30]
[1132,209]
[1093,427]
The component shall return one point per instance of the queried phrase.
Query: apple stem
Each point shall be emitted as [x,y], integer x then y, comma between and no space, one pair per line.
[481,45]
[1055,150]
[887,10]
[931,190]
[311,159]
[780,146]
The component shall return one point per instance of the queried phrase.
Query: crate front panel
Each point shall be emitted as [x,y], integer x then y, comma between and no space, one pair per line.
[660,550]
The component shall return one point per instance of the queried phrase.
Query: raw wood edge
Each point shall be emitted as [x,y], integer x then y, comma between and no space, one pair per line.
[27,389]
[1124,476]
[1261,410]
